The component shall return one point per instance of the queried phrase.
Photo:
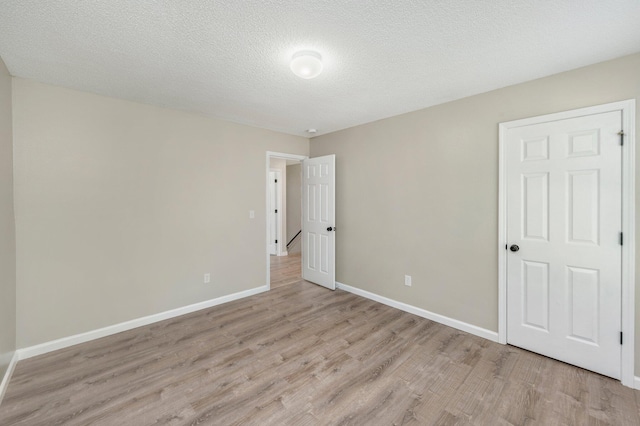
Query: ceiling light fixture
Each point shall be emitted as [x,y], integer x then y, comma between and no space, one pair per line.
[306,64]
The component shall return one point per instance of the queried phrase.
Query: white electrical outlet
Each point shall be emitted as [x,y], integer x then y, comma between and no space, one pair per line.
[407,280]
[207,278]
[252,214]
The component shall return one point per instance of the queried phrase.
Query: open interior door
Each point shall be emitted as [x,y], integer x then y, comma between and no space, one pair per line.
[318,221]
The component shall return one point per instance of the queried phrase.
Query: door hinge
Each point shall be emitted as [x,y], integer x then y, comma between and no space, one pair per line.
[621,133]
[506,246]
[276,181]
[276,210]
[621,239]
[276,241]
[621,337]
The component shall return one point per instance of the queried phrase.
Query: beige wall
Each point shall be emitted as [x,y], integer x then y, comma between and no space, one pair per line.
[294,205]
[7,227]
[122,207]
[417,194]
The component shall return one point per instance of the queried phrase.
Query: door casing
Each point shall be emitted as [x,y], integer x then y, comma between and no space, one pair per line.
[627,109]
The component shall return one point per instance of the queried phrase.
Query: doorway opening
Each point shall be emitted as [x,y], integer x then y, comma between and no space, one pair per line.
[284,216]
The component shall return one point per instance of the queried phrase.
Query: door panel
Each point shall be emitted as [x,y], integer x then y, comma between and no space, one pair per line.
[535,188]
[583,203]
[584,304]
[318,265]
[564,213]
[536,294]
[312,255]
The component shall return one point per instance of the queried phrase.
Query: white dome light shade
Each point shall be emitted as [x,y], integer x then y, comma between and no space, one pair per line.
[306,64]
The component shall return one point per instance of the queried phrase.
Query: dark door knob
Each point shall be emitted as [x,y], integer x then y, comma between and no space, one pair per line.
[330,229]
[514,248]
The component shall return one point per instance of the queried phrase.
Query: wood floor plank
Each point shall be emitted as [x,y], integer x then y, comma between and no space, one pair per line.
[285,270]
[304,355]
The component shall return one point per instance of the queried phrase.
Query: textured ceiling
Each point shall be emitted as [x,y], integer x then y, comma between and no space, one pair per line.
[230,58]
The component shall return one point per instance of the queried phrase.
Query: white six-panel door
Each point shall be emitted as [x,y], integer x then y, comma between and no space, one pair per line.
[318,215]
[564,216]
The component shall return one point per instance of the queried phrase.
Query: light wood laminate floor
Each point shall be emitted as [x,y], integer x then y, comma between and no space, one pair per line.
[285,270]
[304,355]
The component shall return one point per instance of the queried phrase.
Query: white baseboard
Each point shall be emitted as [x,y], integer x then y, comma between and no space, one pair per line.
[636,382]
[460,325]
[64,342]
[7,375]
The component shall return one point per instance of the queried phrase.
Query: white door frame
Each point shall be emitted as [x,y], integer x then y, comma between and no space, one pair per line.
[283,156]
[628,223]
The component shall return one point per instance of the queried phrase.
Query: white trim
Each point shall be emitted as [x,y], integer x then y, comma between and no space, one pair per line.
[636,382]
[502,236]
[269,156]
[64,342]
[7,375]
[628,224]
[629,247]
[285,156]
[460,325]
